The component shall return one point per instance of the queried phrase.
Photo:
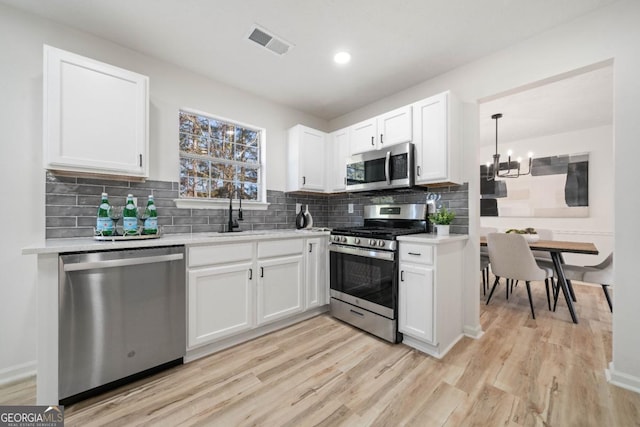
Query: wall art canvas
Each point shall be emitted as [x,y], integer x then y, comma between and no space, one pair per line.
[558,187]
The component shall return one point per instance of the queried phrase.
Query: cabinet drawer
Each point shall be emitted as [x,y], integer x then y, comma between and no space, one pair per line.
[415,252]
[273,248]
[220,254]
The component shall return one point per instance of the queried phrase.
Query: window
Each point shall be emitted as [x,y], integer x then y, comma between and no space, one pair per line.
[219,158]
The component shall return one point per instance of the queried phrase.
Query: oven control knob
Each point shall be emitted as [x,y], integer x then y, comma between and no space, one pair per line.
[381,243]
[336,238]
[372,242]
[343,239]
[356,241]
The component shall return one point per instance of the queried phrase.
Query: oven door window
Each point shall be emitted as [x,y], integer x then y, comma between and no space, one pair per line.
[366,278]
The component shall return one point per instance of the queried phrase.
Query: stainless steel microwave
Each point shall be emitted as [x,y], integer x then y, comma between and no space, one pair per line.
[391,167]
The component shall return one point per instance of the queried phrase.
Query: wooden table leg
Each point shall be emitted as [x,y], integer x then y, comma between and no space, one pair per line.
[562,282]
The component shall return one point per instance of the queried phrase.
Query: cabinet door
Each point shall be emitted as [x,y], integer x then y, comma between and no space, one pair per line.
[220,302]
[395,127]
[416,311]
[279,288]
[336,164]
[312,152]
[95,116]
[431,139]
[362,136]
[316,272]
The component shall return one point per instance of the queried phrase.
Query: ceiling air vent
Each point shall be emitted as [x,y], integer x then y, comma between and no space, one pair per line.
[269,41]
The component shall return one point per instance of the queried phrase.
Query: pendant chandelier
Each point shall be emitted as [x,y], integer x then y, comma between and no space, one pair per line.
[512,169]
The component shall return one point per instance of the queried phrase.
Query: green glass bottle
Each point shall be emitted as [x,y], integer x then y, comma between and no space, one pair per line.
[151,218]
[130,217]
[104,224]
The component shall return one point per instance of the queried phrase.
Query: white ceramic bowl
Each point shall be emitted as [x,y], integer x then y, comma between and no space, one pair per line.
[531,237]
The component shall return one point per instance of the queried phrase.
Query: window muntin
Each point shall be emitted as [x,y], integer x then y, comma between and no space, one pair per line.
[218,156]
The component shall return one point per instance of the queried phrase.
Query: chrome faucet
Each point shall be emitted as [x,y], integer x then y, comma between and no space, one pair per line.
[233,223]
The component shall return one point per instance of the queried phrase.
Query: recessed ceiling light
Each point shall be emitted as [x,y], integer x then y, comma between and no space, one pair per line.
[342,57]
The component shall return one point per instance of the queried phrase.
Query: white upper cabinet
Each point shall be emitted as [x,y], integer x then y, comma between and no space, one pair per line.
[306,154]
[436,138]
[95,116]
[338,151]
[382,131]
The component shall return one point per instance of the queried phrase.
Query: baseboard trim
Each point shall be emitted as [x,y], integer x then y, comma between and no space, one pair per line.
[18,372]
[626,381]
[474,332]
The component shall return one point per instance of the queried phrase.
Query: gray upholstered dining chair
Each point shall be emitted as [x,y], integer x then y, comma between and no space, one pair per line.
[484,259]
[512,259]
[601,274]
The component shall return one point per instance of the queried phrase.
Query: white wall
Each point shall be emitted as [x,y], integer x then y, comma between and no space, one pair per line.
[598,227]
[611,33]
[21,172]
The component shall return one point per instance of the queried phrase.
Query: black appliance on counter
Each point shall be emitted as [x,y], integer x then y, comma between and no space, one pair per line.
[364,267]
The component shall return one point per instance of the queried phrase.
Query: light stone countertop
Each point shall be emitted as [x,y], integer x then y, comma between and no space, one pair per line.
[432,238]
[83,244]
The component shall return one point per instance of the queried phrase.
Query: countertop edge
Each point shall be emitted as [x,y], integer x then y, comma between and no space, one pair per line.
[433,238]
[52,246]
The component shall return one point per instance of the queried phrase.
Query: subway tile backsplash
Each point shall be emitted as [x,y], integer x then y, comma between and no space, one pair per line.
[71,205]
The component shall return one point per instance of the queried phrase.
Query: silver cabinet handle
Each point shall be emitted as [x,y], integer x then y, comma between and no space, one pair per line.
[304,180]
[414,253]
[310,247]
[402,275]
[372,138]
[251,274]
[381,141]
[387,167]
[140,159]
[418,171]
[261,271]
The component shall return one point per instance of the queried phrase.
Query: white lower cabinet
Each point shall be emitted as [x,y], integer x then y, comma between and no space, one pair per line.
[430,295]
[220,302]
[237,288]
[279,288]
[316,268]
[416,314]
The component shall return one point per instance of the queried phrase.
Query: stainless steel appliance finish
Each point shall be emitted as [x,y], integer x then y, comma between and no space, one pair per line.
[364,267]
[121,312]
[382,169]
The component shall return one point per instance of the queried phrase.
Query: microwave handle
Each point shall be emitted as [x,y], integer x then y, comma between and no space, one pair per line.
[387,168]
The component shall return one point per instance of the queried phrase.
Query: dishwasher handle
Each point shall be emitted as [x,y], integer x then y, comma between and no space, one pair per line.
[91,265]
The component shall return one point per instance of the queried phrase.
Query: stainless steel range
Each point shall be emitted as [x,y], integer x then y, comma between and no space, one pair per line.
[364,267]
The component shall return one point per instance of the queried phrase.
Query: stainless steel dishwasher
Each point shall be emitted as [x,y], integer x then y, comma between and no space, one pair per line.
[121,316]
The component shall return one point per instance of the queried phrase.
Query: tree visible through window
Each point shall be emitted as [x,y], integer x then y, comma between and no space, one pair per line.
[218,157]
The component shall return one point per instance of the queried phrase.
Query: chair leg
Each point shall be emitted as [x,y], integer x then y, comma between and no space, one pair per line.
[493,289]
[546,286]
[605,288]
[484,281]
[530,300]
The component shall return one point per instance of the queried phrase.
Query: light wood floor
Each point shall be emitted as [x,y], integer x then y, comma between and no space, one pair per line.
[522,372]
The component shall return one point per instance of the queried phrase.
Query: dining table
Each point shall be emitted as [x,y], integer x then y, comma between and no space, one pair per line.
[556,248]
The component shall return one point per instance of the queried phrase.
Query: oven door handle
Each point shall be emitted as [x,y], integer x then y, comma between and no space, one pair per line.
[387,167]
[368,253]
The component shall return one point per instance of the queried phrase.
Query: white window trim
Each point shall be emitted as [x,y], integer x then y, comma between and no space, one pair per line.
[195,203]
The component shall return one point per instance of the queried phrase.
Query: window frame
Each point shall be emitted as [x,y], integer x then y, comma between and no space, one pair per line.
[204,203]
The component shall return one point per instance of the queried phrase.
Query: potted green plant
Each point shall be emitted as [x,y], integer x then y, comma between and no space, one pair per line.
[442,219]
